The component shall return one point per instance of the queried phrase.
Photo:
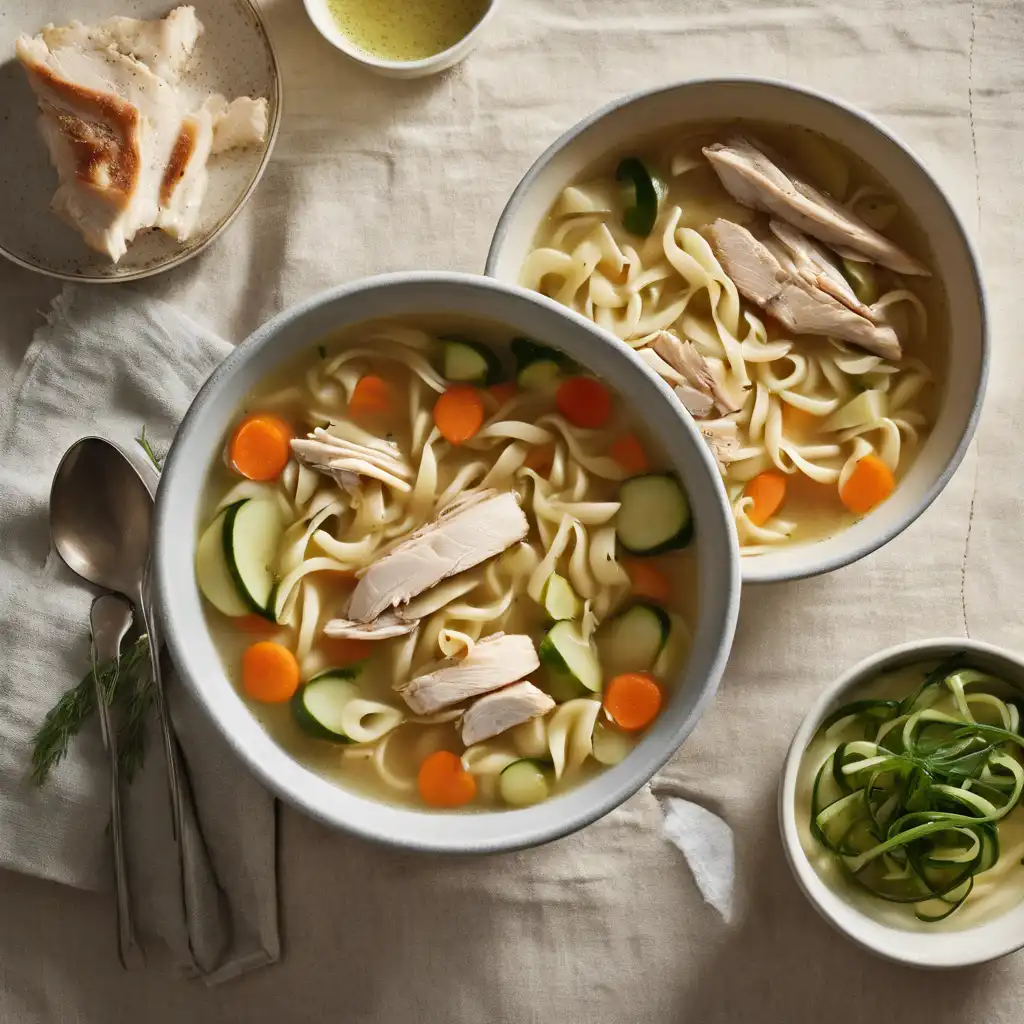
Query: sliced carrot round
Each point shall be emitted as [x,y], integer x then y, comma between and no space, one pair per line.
[370,397]
[629,453]
[270,672]
[459,413]
[632,701]
[584,402]
[503,392]
[443,782]
[647,581]
[259,447]
[768,490]
[870,483]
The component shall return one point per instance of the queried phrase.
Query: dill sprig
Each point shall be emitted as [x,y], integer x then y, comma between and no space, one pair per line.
[125,683]
[143,442]
[135,699]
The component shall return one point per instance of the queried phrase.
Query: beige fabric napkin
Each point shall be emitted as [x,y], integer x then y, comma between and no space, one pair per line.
[109,362]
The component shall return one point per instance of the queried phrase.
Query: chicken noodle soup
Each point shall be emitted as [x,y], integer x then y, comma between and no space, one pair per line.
[447,568]
[783,293]
[908,799]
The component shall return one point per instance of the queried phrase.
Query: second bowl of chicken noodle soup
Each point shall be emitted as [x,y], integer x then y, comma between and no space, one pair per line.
[446,566]
[784,292]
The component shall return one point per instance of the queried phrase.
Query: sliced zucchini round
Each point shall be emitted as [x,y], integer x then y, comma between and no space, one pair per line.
[543,376]
[569,657]
[559,599]
[252,535]
[654,515]
[525,782]
[470,362]
[676,648]
[318,706]
[633,640]
[214,577]
[610,745]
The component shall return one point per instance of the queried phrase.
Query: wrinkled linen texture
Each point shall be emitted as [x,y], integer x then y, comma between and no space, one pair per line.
[608,925]
[110,364]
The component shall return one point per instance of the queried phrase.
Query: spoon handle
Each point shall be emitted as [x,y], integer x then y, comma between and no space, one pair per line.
[170,746]
[110,620]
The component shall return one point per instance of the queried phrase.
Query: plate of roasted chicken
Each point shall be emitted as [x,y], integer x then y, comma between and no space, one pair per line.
[135,131]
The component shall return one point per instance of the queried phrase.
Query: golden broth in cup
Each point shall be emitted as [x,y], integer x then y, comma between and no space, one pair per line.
[406,29]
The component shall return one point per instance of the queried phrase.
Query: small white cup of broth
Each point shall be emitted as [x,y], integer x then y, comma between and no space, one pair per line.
[402,38]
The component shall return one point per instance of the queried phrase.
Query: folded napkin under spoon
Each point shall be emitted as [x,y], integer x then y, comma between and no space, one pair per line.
[110,619]
[101,521]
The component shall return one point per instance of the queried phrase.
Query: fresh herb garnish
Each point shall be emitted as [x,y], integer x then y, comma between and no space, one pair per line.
[143,442]
[127,688]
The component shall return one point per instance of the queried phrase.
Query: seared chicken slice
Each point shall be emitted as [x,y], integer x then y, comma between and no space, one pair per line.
[164,45]
[502,710]
[756,181]
[345,460]
[453,542]
[111,126]
[183,187]
[384,627]
[788,296]
[130,151]
[493,662]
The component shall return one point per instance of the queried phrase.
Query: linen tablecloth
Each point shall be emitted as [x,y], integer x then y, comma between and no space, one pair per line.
[605,926]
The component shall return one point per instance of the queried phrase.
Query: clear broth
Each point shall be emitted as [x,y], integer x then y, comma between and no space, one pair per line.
[376,677]
[816,508]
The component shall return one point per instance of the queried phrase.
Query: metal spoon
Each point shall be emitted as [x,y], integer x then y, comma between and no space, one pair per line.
[111,618]
[101,520]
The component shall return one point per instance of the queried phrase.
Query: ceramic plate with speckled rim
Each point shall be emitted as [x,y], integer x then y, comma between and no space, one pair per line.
[234,56]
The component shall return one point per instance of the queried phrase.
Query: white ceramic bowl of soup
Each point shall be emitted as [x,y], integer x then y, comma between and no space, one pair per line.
[199,443]
[454,47]
[977,938]
[611,132]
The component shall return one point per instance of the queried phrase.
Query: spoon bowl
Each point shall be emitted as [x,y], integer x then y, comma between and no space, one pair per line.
[101,516]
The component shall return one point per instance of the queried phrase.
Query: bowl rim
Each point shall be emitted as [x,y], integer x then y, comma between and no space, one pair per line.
[175,476]
[184,255]
[882,537]
[803,871]
[421,67]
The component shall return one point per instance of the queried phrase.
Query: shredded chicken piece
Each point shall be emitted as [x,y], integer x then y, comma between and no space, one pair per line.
[767,275]
[722,437]
[347,460]
[494,662]
[683,357]
[755,180]
[455,541]
[499,711]
[384,627]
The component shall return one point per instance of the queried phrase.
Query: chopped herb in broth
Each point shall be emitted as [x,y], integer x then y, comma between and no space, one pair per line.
[447,568]
[805,335]
[406,29]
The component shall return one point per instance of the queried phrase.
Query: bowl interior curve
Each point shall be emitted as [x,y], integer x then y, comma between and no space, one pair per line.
[178,509]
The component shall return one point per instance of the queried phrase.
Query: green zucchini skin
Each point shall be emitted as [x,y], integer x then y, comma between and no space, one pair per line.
[309,722]
[654,516]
